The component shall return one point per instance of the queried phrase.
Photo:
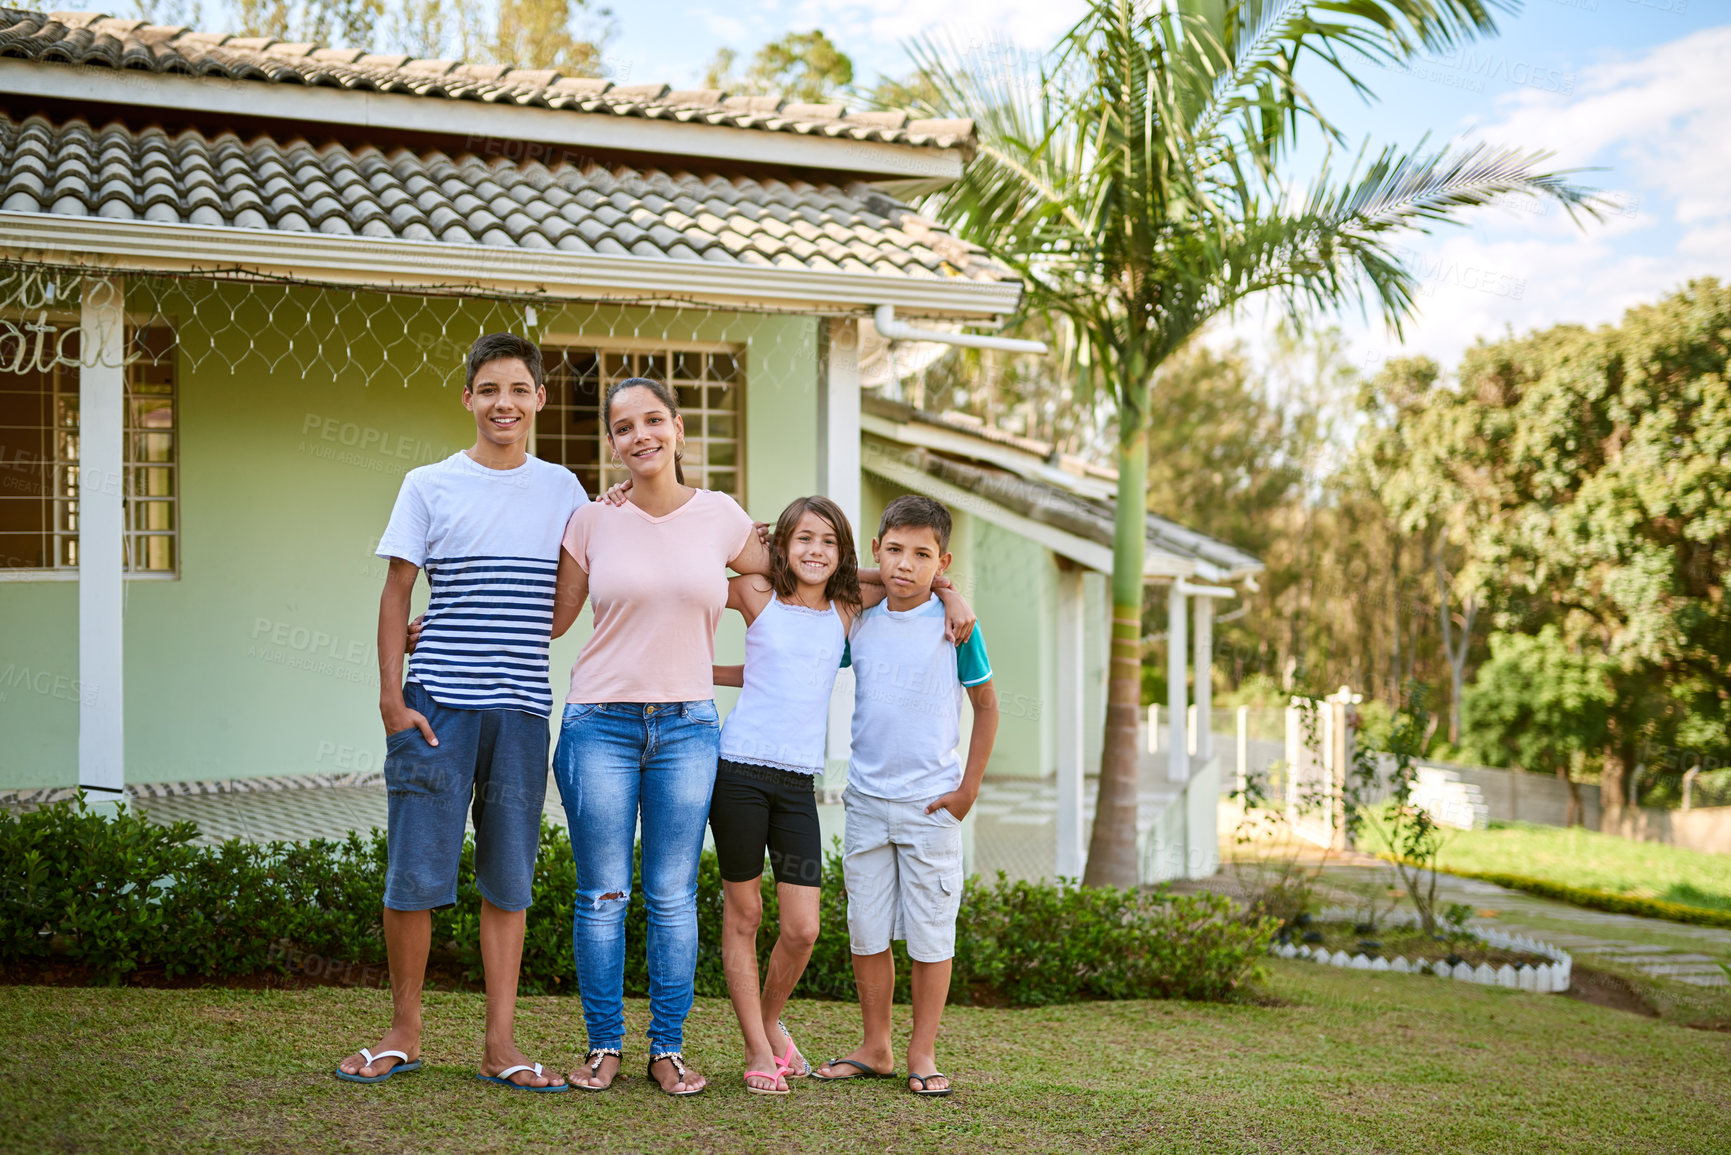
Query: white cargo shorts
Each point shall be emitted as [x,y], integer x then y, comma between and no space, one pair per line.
[903,869]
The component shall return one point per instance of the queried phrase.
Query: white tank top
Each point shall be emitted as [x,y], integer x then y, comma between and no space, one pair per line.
[791,657]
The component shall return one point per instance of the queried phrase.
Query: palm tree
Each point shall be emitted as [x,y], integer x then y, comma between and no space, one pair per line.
[1135,187]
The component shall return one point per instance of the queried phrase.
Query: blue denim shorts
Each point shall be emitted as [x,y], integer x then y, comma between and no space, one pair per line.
[488,763]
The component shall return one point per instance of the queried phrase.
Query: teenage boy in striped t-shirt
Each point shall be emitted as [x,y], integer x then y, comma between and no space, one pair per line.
[469,728]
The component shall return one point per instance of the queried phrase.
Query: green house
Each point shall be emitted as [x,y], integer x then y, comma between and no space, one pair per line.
[237,278]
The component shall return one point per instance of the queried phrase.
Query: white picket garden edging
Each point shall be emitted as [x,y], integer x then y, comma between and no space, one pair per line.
[1548,978]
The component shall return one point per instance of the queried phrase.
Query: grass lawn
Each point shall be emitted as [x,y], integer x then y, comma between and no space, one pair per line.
[1576,856]
[1336,1061]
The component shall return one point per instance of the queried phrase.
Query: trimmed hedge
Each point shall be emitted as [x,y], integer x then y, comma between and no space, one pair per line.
[122,896]
[1595,899]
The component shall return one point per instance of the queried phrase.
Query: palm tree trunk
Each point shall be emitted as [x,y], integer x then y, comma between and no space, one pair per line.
[1112,844]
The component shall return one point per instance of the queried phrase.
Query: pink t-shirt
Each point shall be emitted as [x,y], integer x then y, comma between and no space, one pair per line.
[658,586]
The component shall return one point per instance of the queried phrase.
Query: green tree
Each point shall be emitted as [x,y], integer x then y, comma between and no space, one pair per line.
[1132,185]
[549,34]
[806,67]
[1035,396]
[1439,467]
[344,22]
[1612,513]
[189,13]
[568,36]
[1542,704]
[1224,457]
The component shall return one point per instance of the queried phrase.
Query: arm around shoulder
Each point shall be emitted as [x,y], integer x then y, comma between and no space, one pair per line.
[748,593]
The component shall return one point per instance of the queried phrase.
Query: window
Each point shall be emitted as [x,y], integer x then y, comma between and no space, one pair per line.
[707,384]
[39,451]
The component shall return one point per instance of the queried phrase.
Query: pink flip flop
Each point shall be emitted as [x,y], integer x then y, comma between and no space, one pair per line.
[775,1078]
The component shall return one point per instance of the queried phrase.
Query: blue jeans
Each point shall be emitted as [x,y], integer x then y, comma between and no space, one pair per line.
[614,760]
[489,764]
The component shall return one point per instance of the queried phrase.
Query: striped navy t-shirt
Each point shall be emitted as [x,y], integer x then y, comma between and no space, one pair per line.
[488,540]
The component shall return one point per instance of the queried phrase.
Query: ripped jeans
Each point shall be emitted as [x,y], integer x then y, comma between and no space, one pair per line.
[614,761]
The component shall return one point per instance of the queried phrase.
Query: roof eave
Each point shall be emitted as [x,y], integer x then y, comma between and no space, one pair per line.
[1083,550]
[485,125]
[105,245]
[1160,563]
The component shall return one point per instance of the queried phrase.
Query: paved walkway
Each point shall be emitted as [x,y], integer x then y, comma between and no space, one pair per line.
[1656,947]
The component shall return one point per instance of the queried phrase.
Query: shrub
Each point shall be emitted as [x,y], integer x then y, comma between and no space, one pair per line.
[122,896]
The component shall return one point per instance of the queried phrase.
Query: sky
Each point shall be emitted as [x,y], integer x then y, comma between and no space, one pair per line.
[1636,89]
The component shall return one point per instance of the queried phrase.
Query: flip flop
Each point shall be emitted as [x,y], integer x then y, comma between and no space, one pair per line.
[865,1072]
[775,1078]
[503,1078]
[785,1063]
[935,1093]
[408,1066]
[678,1062]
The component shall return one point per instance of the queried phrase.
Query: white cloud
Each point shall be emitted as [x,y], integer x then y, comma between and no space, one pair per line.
[725,29]
[1655,122]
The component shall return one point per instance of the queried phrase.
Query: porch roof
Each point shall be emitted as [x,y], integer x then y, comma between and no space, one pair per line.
[166,149]
[1059,500]
[154,199]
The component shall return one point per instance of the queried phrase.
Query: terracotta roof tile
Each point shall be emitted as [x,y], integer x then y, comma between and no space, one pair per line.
[92,39]
[75,169]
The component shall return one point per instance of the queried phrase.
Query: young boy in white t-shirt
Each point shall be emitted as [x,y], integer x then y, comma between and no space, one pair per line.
[907,791]
[468,733]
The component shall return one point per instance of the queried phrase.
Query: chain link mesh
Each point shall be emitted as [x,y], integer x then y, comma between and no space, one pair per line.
[282,326]
[256,329]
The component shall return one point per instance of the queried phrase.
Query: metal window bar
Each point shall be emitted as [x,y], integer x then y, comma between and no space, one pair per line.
[42,463]
[707,381]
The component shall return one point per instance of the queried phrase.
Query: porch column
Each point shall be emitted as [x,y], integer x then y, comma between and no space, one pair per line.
[838,409]
[1203,661]
[1072,744]
[1178,749]
[838,464]
[101,542]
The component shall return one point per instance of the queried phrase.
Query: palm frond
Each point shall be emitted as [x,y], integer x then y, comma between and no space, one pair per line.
[1249,51]
[1116,186]
[1266,30]
[1422,188]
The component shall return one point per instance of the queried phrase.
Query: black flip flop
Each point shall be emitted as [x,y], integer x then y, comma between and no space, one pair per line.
[865,1072]
[936,1093]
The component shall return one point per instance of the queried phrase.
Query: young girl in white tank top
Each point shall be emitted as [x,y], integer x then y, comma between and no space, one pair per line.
[772,750]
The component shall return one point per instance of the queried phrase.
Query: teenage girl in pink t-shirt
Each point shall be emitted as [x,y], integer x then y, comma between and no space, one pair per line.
[640,732]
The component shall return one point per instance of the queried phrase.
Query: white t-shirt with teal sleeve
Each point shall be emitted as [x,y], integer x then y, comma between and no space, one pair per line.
[908,689]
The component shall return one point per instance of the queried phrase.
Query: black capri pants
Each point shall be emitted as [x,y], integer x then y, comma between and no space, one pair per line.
[759,808]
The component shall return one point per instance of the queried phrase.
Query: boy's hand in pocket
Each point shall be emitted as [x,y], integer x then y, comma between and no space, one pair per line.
[956,802]
[398,717]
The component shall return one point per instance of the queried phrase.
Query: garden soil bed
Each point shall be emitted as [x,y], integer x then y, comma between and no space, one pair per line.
[1412,944]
